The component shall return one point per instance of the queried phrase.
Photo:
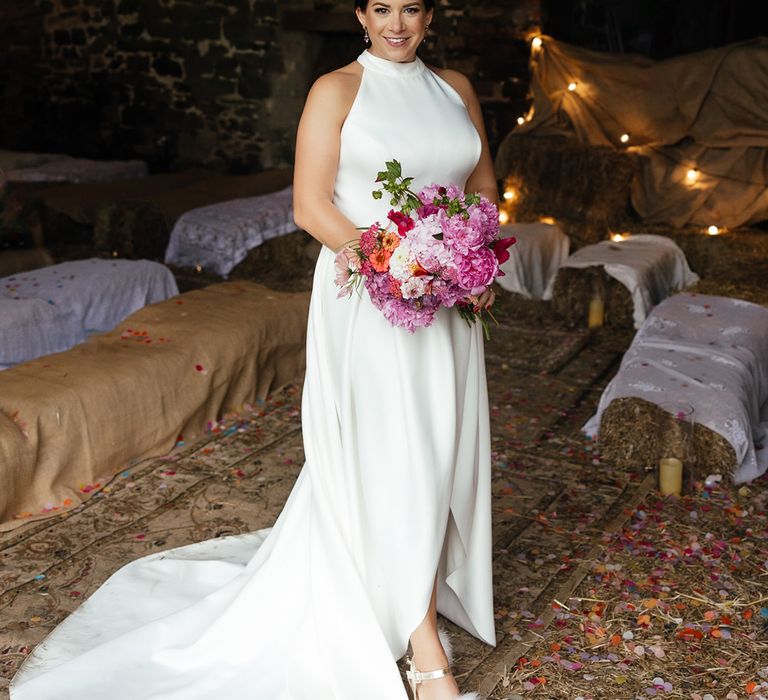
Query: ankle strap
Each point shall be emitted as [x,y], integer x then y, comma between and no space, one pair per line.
[421,676]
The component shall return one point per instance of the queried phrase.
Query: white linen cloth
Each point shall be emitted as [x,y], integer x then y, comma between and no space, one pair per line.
[219,236]
[534,260]
[709,352]
[650,267]
[395,487]
[51,309]
[63,168]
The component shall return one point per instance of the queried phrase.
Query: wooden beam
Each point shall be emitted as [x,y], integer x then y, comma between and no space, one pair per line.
[323,22]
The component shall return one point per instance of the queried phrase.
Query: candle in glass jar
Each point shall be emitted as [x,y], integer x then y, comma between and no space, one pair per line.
[670,476]
[596,313]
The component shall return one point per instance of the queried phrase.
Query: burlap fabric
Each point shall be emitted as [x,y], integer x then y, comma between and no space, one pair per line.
[71,421]
[695,112]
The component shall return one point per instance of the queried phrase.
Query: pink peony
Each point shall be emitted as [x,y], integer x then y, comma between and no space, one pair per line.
[477,270]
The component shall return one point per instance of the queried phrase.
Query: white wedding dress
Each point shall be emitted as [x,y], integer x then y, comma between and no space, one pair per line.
[396,486]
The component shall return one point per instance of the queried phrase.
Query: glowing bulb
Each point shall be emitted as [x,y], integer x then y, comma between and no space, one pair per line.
[692,175]
[537,42]
[617,237]
[713,230]
[624,138]
[503,217]
[509,195]
[572,86]
[521,120]
[547,220]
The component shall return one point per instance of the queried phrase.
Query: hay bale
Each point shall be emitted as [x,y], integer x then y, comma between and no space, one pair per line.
[574,288]
[587,186]
[629,438]
[756,292]
[62,233]
[739,256]
[285,263]
[132,229]
[15,261]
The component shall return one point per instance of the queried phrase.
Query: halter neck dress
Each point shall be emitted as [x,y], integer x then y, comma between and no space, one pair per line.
[395,487]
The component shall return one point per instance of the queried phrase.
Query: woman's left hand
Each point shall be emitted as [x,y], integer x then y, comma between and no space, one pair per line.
[484,301]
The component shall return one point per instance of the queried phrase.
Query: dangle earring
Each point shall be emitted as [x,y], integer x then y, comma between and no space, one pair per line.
[366,38]
[426,29]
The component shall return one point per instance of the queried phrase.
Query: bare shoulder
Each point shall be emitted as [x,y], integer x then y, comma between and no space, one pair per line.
[459,82]
[332,95]
[339,84]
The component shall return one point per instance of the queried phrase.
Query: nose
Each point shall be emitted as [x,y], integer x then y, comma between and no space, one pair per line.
[396,23]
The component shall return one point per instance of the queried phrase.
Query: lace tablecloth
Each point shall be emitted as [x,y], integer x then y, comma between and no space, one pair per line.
[650,267]
[219,236]
[534,260]
[709,352]
[63,168]
[51,309]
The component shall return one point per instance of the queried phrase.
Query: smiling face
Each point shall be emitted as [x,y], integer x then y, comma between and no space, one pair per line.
[396,27]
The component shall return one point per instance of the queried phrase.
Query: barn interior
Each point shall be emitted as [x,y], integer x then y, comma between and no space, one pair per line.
[147,246]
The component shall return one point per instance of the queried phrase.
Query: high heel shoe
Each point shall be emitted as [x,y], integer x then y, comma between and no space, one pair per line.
[416,678]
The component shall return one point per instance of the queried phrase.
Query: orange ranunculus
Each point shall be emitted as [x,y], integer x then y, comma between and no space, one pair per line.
[380,260]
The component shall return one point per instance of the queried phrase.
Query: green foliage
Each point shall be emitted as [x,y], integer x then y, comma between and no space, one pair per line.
[398,187]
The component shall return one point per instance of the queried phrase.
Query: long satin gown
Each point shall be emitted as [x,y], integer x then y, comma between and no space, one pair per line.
[396,486]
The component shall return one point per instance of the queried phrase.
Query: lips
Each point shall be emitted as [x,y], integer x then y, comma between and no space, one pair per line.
[392,41]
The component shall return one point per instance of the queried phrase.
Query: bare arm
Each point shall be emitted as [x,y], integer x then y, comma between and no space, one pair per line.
[317,159]
[482,179]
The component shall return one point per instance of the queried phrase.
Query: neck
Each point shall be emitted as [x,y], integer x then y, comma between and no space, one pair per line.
[408,59]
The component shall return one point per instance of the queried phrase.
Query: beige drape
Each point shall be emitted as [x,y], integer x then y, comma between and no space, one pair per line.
[706,112]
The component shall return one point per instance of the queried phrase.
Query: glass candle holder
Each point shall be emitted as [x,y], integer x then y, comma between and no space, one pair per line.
[676,459]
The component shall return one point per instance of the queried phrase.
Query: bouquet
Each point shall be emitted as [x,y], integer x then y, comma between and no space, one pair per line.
[439,248]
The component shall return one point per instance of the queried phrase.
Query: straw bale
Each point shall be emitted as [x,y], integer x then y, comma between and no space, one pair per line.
[574,288]
[15,261]
[738,256]
[586,186]
[629,438]
[285,263]
[132,229]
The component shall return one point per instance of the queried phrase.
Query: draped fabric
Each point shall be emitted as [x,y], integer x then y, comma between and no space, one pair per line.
[703,112]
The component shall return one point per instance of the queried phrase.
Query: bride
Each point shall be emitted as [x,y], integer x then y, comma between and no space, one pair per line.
[389,520]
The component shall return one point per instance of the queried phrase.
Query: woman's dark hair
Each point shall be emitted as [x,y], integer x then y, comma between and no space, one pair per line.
[363,4]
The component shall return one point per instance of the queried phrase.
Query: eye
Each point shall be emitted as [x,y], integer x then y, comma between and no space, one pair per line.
[381,10]
[412,10]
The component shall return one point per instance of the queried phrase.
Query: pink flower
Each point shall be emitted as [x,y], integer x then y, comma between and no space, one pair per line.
[477,270]
[501,246]
[403,222]
[394,287]
[369,240]
[347,264]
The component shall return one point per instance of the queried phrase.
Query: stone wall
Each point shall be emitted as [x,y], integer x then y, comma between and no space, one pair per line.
[219,82]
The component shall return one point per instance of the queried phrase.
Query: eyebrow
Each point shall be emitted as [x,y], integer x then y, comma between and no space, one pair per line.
[383,4]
